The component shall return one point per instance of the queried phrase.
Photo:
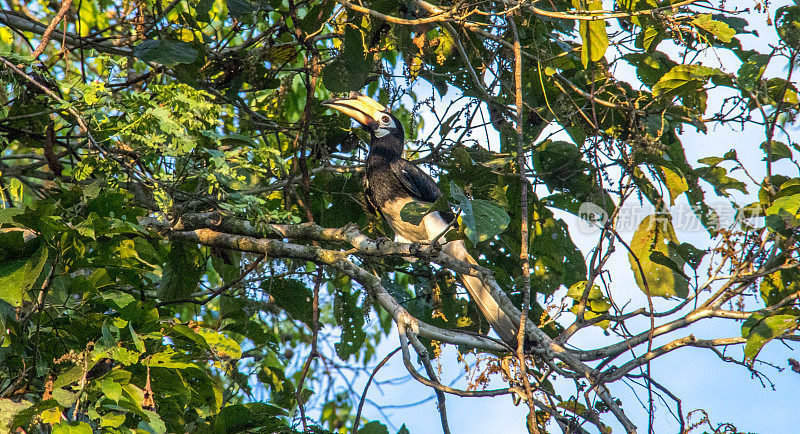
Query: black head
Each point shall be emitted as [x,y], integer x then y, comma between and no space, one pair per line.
[382,125]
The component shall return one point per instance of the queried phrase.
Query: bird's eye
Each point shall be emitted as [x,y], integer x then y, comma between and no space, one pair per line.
[385,119]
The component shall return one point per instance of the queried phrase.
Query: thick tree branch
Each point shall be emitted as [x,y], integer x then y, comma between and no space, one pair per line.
[338,260]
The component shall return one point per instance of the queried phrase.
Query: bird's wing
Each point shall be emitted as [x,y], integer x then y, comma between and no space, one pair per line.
[418,183]
[371,206]
[422,188]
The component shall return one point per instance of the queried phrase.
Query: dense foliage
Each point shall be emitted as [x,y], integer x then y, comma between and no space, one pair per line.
[185,245]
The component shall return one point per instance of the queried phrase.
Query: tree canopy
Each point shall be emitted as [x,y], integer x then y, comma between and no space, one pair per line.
[186,246]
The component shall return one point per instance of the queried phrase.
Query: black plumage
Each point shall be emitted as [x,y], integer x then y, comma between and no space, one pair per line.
[391,182]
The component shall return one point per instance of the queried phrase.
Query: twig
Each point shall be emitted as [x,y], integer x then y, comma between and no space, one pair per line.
[366,387]
[314,353]
[403,331]
[523,250]
[422,352]
[49,30]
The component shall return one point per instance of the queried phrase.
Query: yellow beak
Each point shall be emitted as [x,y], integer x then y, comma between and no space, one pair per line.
[362,108]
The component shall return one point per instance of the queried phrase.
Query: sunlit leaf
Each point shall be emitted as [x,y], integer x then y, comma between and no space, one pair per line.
[593,34]
[654,234]
[719,29]
[759,330]
[19,275]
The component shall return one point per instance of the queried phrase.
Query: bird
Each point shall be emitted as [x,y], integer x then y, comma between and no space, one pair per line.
[391,182]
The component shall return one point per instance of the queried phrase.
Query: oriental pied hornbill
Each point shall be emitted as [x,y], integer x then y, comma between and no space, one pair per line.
[391,182]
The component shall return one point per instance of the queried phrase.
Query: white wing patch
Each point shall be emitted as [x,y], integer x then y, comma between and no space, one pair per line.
[434,225]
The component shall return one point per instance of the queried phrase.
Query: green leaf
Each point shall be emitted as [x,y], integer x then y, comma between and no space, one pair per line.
[13,245]
[351,319]
[751,71]
[373,427]
[18,276]
[717,177]
[651,36]
[137,341]
[593,34]
[787,23]
[10,408]
[239,8]
[187,338]
[572,406]
[250,417]
[153,423]
[7,215]
[169,359]
[237,139]
[202,7]
[444,47]
[759,330]
[182,272]
[653,235]
[736,23]
[291,295]
[317,15]
[491,219]
[165,51]
[777,150]
[650,67]
[597,305]
[117,299]
[779,89]
[112,420]
[282,389]
[414,211]
[690,254]
[64,397]
[350,70]
[25,414]
[123,355]
[561,165]
[779,285]
[482,219]
[659,258]
[636,5]
[555,260]
[713,161]
[68,377]
[111,388]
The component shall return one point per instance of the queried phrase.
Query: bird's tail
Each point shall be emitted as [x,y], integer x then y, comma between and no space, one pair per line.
[499,320]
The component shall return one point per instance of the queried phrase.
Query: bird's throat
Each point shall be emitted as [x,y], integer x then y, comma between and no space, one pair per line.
[387,148]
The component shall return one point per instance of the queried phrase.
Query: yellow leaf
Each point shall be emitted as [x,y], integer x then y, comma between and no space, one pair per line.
[653,235]
[676,184]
